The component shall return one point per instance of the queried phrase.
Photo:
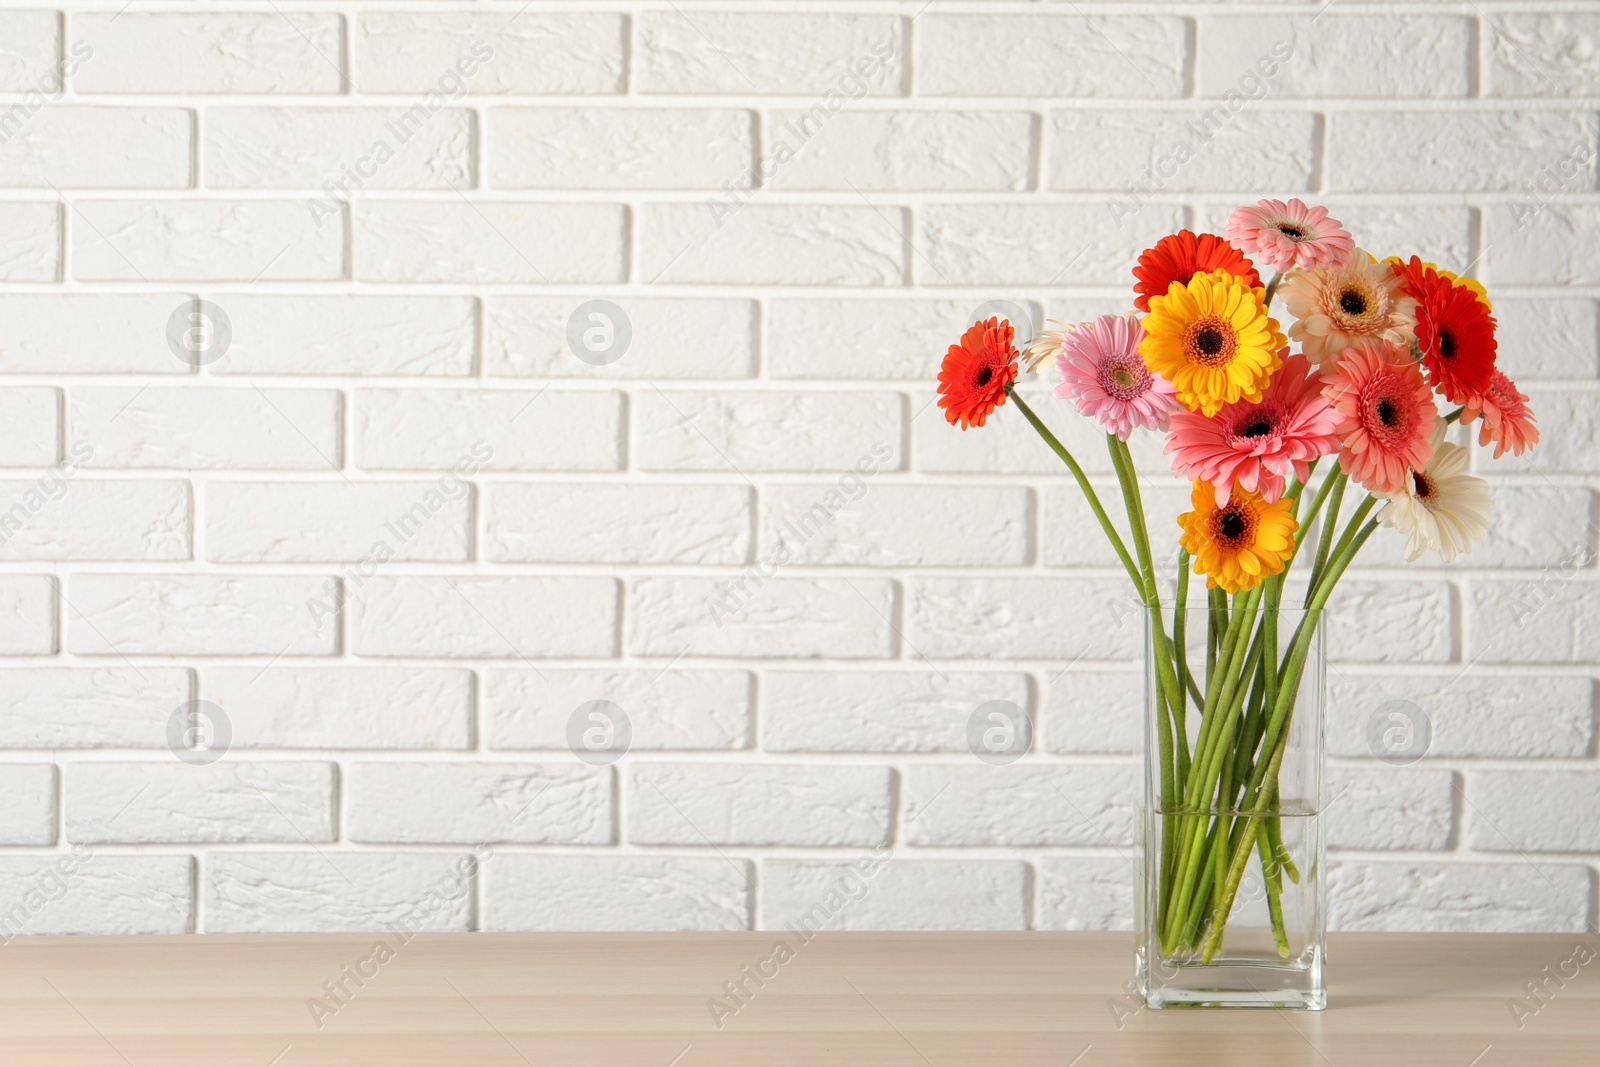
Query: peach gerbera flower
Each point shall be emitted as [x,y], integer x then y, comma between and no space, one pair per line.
[1386,414]
[1334,309]
[1507,420]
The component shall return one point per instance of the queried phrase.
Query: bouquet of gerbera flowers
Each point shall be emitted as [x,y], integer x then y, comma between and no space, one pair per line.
[1249,415]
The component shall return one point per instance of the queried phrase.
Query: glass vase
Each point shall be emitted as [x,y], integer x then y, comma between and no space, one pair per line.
[1231,900]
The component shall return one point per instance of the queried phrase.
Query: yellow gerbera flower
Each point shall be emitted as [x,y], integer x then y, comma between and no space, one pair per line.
[1213,340]
[1240,543]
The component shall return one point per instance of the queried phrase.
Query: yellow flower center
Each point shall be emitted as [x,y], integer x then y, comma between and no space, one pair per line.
[1210,341]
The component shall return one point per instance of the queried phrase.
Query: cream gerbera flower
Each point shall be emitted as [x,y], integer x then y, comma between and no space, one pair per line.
[1441,508]
[1333,309]
[1047,345]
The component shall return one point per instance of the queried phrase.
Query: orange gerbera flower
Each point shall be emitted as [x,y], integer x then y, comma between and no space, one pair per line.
[1507,420]
[975,373]
[1183,255]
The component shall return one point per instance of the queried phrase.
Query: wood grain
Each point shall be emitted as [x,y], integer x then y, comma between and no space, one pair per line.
[852,1000]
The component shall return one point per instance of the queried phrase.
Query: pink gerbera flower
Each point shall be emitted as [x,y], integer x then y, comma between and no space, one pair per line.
[1257,446]
[1290,235]
[1102,371]
[1508,422]
[1386,413]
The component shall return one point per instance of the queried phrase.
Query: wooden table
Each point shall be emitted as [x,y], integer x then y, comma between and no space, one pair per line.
[873,1000]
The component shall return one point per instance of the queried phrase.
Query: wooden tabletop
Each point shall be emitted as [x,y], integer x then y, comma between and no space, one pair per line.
[873,1000]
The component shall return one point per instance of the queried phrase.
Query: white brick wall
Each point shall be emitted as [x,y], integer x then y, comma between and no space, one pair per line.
[408,501]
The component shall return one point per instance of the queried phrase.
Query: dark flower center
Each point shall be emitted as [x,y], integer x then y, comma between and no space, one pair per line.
[1424,486]
[1388,413]
[1231,525]
[1352,302]
[1447,344]
[1259,428]
[1293,233]
[1208,341]
[985,376]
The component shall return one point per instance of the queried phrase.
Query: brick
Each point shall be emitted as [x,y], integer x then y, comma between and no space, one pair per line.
[620,148]
[665,709]
[733,432]
[30,242]
[1400,622]
[1543,54]
[455,53]
[280,429]
[574,522]
[887,525]
[80,333]
[27,804]
[1470,713]
[178,802]
[639,338]
[1007,443]
[488,617]
[833,338]
[143,894]
[31,417]
[203,240]
[1516,811]
[1208,150]
[1073,537]
[725,242]
[274,522]
[910,150]
[427,336]
[878,711]
[99,148]
[27,615]
[33,46]
[895,894]
[74,518]
[1539,242]
[1368,150]
[845,618]
[90,707]
[838,57]
[1511,897]
[1438,233]
[534,892]
[468,803]
[281,706]
[1569,435]
[326,892]
[215,52]
[1019,805]
[345,148]
[1056,619]
[1548,619]
[1065,55]
[1388,808]
[491,241]
[1548,337]
[757,804]
[1036,244]
[1086,893]
[538,430]
[1310,55]
[198,615]
[1092,710]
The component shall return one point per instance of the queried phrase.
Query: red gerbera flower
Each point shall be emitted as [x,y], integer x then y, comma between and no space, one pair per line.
[1456,334]
[1417,279]
[1183,255]
[1507,421]
[975,373]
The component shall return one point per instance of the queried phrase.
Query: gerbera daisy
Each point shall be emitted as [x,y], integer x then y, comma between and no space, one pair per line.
[1045,346]
[1455,333]
[1416,278]
[975,373]
[1213,340]
[1507,420]
[1441,507]
[1180,257]
[1334,309]
[1239,543]
[1255,447]
[1290,235]
[1102,371]
[1386,414]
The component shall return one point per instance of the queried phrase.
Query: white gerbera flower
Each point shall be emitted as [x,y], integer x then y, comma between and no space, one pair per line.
[1047,345]
[1441,507]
